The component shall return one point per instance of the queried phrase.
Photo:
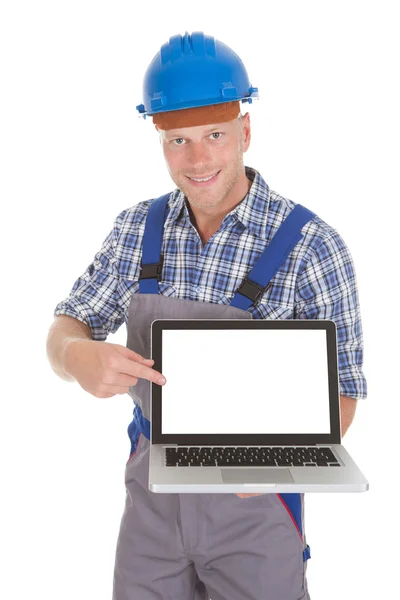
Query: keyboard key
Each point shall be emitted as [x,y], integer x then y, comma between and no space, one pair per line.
[272,456]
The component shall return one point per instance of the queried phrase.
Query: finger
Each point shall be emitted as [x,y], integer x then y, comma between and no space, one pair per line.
[137,369]
[120,379]
[131,354]
[146,360]
[247,495]
[112,390]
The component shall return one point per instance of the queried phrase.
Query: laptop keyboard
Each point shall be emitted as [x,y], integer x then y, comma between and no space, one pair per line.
[253,456]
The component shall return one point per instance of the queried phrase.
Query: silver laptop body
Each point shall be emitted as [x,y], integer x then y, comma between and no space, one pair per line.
[250,406]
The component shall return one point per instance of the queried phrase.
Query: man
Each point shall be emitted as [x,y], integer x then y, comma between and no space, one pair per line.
[214,228]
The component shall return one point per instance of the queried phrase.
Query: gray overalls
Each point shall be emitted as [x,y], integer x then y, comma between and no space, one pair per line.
[202,546]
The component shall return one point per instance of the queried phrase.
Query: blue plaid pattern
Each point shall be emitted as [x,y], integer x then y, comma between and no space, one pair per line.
[317,280]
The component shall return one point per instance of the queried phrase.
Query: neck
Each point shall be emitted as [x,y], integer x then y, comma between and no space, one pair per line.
[208,220]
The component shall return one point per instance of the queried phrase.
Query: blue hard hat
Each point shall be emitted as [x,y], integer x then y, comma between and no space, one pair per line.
[194,70]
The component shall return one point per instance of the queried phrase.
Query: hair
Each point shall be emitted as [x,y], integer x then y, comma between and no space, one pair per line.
[199,115]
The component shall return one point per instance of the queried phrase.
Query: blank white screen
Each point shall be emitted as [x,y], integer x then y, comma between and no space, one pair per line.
[245,381]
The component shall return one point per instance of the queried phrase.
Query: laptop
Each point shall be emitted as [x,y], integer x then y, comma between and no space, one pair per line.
[249,406]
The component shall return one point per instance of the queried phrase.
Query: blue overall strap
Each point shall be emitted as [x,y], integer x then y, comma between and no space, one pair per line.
[142,423]
[306,553]
[151,267]
[292,503]
[138,425]
[273,257]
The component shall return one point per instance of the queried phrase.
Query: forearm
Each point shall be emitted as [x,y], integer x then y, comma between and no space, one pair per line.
[61,333]
[347,411]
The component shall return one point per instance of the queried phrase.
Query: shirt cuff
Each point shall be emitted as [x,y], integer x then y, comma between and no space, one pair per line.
[99,332]
[352,383]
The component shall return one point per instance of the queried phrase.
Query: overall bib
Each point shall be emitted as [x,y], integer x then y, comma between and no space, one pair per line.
[202,546]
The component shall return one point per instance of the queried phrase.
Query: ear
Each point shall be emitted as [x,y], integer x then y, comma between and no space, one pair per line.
[246,131]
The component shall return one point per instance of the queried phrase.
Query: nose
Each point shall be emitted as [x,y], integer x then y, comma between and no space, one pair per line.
[199,156]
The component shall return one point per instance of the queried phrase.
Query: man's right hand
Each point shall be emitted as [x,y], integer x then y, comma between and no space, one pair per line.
[105,369]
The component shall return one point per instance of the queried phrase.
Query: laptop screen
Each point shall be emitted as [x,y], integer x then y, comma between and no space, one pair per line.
[245,381]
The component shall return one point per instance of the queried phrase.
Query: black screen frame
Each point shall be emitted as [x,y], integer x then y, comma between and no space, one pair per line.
[248,439]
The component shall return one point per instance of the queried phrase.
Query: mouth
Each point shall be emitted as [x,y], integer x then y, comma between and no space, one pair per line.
[204,181]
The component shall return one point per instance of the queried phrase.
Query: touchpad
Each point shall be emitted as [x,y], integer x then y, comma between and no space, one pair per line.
[232,475]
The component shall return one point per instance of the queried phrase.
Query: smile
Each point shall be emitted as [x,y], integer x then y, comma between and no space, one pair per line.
[204,180]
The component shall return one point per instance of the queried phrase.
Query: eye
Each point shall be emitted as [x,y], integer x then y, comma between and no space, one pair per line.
[217,133]
[178,140]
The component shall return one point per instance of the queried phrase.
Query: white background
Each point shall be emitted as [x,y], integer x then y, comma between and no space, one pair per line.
[74,154]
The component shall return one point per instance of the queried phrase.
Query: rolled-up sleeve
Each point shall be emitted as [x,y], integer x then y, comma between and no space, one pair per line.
[327,289]
[94,296]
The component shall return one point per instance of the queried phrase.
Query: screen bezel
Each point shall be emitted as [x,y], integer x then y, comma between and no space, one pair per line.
[248,439]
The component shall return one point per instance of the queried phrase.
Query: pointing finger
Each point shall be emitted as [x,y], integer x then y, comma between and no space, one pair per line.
[139,369]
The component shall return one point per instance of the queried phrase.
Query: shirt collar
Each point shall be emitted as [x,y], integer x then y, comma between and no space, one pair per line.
[252,211]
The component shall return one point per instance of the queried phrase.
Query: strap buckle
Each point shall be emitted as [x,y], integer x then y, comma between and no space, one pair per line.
[252,290]
[152,270]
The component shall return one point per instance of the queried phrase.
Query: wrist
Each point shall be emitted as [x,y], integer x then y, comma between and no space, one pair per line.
[69,355]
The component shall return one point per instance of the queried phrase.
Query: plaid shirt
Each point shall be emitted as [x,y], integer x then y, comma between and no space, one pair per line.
[316,281]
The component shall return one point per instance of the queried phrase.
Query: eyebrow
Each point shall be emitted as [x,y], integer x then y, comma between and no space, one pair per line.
[175,132]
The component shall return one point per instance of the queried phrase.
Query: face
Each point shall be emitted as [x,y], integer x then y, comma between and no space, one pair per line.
[208,150]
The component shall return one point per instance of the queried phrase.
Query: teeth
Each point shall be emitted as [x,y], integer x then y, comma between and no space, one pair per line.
[207,179]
